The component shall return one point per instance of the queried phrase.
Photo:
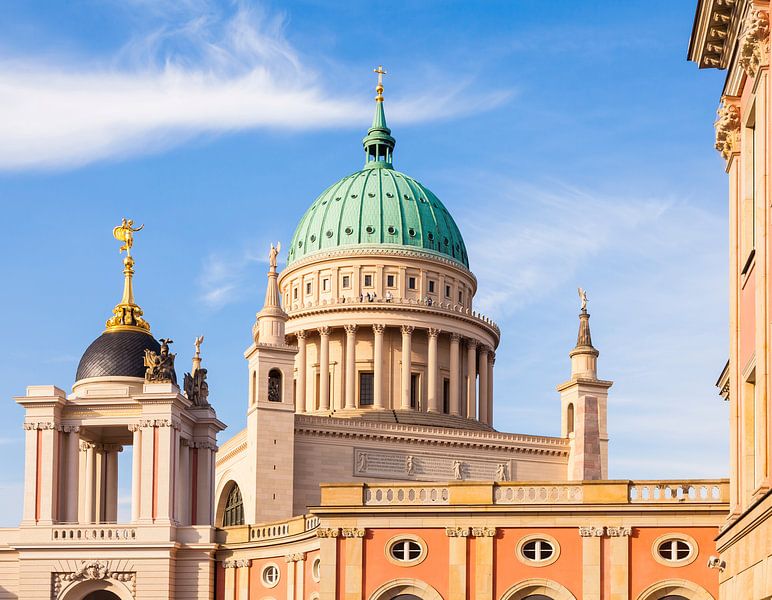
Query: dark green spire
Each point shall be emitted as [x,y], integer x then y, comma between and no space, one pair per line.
[378,143]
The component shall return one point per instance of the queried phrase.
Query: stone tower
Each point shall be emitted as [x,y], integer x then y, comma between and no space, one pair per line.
[271,411]
[583,400]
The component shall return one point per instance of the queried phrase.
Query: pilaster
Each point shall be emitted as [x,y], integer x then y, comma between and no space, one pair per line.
[457,562]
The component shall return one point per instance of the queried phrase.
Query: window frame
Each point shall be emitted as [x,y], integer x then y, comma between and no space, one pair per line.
[402,538]
[345,282]
[365,278]
[675,536]
[362,375]
[537,537]
[264,571]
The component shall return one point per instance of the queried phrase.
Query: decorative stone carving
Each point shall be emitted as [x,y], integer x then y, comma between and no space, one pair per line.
[237,563]
[409,465]
[112,448]
[93,570]
[352,532]
[295,557]
[351,329]
[196,387]
[458,469]
[502,472]
[483,531]
[159,367]
[362,462]
[457,531]
[433,331]
[204,445]
[619,531]
[327,532]
[324,330]
[455,337]
[727,129]
[754,41]
[301,335]
[591,531]
[70,429]
[39,425]
[407,329]
[378,328]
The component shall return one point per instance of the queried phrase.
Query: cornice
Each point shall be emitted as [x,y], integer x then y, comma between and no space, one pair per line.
[714,33]
[313,426]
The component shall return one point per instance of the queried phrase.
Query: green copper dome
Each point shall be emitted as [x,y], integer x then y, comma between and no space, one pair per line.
[378,206]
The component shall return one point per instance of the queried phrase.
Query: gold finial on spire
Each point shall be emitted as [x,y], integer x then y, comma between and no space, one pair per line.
[127,314]
[379,88]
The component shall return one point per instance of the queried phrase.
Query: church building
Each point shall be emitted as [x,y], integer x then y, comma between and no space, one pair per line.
[369,467]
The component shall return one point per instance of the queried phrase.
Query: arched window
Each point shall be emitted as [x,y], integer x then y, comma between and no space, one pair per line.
[274,385]
[234,508]
[570,418]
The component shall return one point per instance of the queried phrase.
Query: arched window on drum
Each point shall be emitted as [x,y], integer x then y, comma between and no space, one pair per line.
[274,385]
[234,508]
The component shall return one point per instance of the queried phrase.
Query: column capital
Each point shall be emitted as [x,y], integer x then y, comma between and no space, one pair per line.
[484,531]
[71,428]
[43,425]
[471,343]
[295,557]
[433,332]
[379,328]
[112,448]
[352,532]
[484,348]
[235,564]
[134,427]
[350,328]
[325,330]
[301,335]
[455,337]
[86,446]
[327,532]
[619,531]
[407,329]
[457,531]
[591,531]
[491,358]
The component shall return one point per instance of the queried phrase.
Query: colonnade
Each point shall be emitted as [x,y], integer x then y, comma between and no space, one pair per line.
[470,389]
[98,467]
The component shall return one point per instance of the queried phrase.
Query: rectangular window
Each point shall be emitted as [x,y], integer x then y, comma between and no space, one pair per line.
[346,282]
[295,293]
[411,283]
[446,396]
[390,281]
[431,286]
[415,391]
[368,281]
[460,297]
[308,287]
[447,291]
[326,285]
[366,388]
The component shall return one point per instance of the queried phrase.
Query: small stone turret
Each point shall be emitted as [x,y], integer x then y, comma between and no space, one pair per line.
[271,320]
[584,400]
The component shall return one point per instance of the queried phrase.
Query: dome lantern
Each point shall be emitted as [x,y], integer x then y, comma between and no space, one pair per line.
[378,143]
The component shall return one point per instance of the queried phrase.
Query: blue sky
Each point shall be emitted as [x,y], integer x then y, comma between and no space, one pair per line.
[572,143]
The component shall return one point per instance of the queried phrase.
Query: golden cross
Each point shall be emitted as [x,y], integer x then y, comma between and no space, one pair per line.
[379,88]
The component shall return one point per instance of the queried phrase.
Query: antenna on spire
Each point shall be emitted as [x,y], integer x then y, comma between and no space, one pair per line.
[379,88]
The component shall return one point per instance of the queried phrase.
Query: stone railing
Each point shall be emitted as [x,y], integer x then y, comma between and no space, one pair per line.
[269,531]
[478,493]
[298,308]
[93,533]
[413,494]
[697,490]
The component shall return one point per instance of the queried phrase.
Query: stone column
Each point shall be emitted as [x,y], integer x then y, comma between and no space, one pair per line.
[483,564]
[471,382]
[136,470]
[324,368]
[111,482]
[301,593]
[302,402]
[591,562]
[354,565]
[290,560]
[455,368]
[378,366]
[73,462]
[491,361]
[351,365]
[30,473]
[183,483]
[204,483]
[457,562]
[328,553]
[433,398]
[147,471]
[88,500]
[407,333]
[483,396]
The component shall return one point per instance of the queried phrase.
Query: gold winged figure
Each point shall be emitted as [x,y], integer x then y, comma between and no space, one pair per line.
[125,233]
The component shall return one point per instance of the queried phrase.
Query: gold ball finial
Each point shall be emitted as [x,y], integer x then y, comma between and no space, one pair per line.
[379,88]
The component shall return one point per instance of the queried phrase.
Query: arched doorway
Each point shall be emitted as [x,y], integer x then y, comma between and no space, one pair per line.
[537,589]
[675,589]
[406,597]
[101,595]
[540,596]
[406,589]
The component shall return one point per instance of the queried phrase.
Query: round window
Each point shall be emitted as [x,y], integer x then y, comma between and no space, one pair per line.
[406,550]
[270,576]
[538,550]
[674,550]
[316,569]
[370,229]
[392,230]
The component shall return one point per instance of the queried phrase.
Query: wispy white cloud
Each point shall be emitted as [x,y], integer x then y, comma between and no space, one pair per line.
[227,276]
[193,70]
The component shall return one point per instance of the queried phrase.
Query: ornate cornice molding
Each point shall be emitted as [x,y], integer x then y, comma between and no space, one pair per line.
[40,425]
[727,128]
[754,41]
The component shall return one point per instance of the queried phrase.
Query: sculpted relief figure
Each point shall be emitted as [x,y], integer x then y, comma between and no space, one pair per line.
[196,388]
[457,474]
[159,367]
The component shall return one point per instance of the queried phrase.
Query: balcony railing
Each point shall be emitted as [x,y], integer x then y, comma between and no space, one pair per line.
[93,533]
[298,308]
[269,531]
